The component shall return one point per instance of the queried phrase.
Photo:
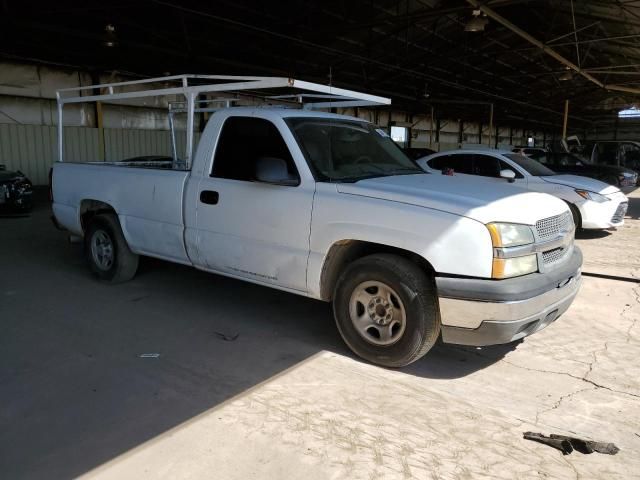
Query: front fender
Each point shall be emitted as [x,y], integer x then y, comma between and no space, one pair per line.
[452,244]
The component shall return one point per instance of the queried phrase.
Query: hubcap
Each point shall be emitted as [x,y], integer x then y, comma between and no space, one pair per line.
[102,250]
[377,313]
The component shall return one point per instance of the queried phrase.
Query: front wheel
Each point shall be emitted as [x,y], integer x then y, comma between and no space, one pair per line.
[612,180]
[577,218]
[386,310]
[107,252]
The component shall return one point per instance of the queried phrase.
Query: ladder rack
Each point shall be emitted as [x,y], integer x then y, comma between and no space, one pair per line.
[279,91]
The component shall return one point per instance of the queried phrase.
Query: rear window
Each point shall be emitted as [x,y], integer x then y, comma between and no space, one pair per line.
[532,166]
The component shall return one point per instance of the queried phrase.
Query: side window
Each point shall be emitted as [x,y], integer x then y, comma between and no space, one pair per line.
[435,163]
[460,163]
[607,153]
[243,140]
[506,166]
[486,166]
[630,155]
[544,159]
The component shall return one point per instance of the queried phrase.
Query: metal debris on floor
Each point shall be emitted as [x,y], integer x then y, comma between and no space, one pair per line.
[227,338]
[568,444]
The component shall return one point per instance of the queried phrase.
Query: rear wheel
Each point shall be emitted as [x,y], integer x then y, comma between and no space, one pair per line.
[107,252]
[386,310]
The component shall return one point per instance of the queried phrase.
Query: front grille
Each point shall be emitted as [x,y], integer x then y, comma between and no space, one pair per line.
[621,211]
[553,256]
[553,226]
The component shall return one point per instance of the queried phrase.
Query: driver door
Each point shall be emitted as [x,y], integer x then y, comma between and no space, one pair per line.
[249,229]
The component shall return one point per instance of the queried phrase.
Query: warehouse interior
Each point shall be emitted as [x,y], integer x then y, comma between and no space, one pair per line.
[507,82]
[180,374]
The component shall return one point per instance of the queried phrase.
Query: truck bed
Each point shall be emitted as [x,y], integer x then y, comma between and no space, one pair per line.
[147,200]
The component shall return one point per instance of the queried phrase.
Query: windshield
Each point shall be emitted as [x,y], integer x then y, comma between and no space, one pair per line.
[532,166]
[348,150]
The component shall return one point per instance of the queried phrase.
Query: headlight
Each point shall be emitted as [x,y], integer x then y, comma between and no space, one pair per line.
[596,197]
[506,238]
[510,234]
[514,267]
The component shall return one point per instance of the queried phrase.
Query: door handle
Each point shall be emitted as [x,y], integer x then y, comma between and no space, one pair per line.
[209,197]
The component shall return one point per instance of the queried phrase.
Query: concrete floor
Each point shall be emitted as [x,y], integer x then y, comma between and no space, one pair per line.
[286,399]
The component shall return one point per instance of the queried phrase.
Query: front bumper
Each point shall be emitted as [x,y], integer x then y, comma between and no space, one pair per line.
[493,312]
[604,215]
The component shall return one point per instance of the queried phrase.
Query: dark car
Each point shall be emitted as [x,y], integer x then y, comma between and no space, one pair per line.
[621,153]
[571,164]
[416,153]
[16,191]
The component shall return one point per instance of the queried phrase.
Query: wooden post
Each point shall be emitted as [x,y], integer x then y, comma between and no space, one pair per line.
[566,116]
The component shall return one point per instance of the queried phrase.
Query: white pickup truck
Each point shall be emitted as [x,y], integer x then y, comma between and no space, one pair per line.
[327,206]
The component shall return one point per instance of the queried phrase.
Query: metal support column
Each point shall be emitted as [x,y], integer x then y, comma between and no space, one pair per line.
[490,122]
[100,125]
[564,123]
[431,128]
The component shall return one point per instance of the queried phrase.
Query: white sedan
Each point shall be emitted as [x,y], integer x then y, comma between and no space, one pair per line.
[594,204]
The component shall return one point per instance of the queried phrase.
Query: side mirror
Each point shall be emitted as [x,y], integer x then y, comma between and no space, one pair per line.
[274,171]
[510,175]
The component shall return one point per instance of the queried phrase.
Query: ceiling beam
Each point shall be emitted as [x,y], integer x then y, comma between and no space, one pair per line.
[548,50]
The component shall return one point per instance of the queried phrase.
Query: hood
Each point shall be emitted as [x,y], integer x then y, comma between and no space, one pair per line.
[482,200]
[582,183]
[7,175]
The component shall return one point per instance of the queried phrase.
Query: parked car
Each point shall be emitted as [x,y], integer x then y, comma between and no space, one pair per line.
[16,191]
[416,153]
[594,204]
[620,153]
[530,150]
[326,206]
[572,164]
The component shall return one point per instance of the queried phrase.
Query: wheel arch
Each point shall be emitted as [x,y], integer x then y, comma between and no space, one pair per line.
[343,252]
[575,212]
[89,208]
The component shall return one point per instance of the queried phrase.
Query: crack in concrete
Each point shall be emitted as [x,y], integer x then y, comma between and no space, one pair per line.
[635,320]
[583,379]
[556,405]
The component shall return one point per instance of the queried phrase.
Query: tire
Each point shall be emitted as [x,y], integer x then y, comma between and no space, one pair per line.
[107,252]
[401,286]
[577,218]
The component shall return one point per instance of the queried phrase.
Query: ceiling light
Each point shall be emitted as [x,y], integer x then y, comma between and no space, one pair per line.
[567,75]
[109,39]
[476,23]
